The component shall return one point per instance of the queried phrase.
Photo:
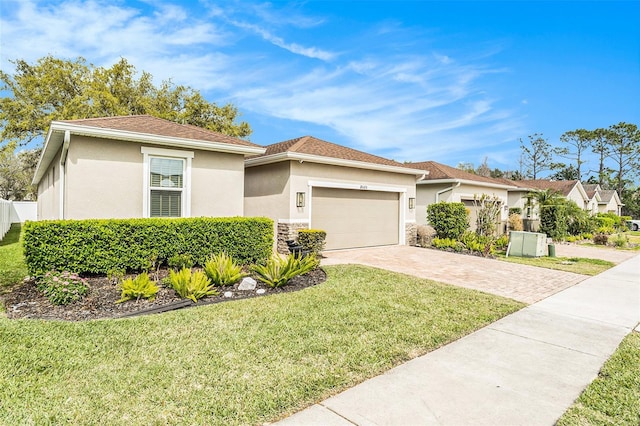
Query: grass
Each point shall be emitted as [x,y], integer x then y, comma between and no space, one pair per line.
[576,265]
[613,398]
[12,266]
[243,362]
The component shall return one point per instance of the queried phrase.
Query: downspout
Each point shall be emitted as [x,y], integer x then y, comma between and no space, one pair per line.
[446,190]
[63,160]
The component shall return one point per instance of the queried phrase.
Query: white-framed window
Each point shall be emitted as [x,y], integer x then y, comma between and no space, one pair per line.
[167,182]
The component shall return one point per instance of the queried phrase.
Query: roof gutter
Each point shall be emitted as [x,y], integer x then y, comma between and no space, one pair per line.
[471,182]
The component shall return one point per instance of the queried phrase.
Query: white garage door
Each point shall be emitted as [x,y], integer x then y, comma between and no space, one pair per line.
[355,218]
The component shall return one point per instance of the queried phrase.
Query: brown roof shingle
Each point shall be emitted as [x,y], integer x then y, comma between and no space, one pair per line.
[441,171]
[314,146]
[148,124]
[562,186]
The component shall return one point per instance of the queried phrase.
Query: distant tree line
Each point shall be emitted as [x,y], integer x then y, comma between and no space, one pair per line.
[616,148]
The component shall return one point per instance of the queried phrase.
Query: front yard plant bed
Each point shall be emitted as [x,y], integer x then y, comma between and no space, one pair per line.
[243,363]
[26,301]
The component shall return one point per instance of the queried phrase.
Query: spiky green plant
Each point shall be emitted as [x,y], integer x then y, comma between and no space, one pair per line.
[278,271]
[190,285]
[140,287]
[222,270]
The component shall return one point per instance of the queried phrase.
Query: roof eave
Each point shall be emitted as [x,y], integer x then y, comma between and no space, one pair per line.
[296,156]
[468,182]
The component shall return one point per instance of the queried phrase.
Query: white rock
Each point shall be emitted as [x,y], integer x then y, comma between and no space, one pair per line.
[228,294]
[247,283]
[261,291]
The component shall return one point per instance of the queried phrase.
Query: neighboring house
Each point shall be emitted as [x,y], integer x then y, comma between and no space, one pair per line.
[593,193]
[139,166]
[570,189]
[610,202]
[359,199]
[446,183]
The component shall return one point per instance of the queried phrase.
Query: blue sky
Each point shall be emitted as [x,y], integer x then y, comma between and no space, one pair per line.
[409,80]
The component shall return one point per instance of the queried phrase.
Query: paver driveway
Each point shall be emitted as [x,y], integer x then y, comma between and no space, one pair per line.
[524,283]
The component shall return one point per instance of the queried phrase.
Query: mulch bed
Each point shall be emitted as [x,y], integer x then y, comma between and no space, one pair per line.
[25,301]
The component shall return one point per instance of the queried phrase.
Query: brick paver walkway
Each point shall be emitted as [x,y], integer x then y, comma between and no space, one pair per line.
[524,283]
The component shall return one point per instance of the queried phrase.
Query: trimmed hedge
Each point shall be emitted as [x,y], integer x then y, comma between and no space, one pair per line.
[450,220]
[100,246]
[553,221]
[312,240]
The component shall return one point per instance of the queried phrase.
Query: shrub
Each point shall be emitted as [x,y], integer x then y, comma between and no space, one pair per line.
[425,234]
[605,230]
[190,285]
[571,239]
[97,246]
[312,240]
[620,240]
[180,261]
[601,239]
[222,270]
[553,221]
[587,236]
[278,271]
[449,220]
[515,222]
[445,243]
[502,242]
[62,288]
[487,211]
[515,210]
[137,288]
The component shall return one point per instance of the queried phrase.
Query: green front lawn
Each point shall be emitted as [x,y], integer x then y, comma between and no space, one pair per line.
[242,362]
[613,398]
[576,265]
[12,266]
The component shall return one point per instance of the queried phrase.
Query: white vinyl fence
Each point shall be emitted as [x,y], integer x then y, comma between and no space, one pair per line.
[16,212]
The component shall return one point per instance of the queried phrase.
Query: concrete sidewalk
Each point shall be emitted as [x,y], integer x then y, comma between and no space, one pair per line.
[525,369]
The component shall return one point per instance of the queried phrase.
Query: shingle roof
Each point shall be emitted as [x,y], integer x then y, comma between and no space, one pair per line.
[590,189]
[441,171]
[562,186]
[606,195]
[148,124]
[314,146]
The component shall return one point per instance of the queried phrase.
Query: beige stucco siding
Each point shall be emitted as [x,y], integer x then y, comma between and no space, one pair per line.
[105,179]
[267,190]
[217,184]
[49,192]
[451,192]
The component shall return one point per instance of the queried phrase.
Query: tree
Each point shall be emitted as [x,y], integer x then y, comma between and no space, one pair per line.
[600,147]
[624,149]
[16,173]
[57,89]
[483,169]
[467,167]
[565,172]
[536,155]
[577,141]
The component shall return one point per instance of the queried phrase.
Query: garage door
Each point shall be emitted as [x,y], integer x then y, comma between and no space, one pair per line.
[355,218]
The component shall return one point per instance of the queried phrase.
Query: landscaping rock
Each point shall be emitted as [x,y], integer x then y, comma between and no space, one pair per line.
[228,294]
[247,283]
[261,291]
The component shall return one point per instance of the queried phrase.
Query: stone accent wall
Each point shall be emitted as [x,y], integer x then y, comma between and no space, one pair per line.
[288,231]
[411,233]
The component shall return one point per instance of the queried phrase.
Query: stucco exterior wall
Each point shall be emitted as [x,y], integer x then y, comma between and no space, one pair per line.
[428,194]
[267,191]
[576,196]
[49,192]
[104,179]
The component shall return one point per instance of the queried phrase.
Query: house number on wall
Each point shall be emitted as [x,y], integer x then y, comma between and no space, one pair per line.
[363,187]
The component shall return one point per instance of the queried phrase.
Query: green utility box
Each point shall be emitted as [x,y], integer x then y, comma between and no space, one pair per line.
[527,244]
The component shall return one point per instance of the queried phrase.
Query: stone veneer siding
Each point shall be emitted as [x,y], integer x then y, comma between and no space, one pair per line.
[411,233]
[288,231]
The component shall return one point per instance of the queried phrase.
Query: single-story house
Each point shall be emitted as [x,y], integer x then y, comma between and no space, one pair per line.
[610,202]
[359,199]
[446,183]
[570,189]
[139,166]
